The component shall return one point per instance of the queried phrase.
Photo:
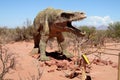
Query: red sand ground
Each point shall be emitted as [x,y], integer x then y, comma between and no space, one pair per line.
[27,66]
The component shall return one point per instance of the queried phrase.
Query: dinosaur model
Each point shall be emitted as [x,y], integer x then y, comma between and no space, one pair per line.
[51,23]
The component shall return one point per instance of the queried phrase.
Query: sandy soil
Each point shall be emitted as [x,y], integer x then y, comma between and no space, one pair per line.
[28,67]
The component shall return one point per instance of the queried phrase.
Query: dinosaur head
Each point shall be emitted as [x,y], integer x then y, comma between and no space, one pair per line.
[73,16]
[66,18]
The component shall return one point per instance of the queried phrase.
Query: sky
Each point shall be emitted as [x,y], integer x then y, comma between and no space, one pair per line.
[14,13]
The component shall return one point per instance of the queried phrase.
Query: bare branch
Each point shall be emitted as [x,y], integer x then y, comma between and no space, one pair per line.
[7,61]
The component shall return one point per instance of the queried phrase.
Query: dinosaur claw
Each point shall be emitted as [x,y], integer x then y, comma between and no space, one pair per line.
[44,58]
[34,51]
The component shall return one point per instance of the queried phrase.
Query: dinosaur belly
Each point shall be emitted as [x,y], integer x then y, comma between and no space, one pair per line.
[56,30]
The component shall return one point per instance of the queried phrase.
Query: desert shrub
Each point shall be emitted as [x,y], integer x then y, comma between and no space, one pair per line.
[113,30]
[6,34]
[99,37]
[7,62]
[16,34]
[95,37]
[23,33]
[89,30]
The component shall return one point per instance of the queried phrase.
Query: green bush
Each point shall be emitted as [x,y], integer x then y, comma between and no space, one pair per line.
[113,30]
[95,37]
[90,31]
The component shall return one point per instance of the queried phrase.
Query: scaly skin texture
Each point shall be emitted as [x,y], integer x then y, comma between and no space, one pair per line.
[51,23]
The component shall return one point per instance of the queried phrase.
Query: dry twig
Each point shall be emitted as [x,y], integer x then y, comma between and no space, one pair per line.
[7,61]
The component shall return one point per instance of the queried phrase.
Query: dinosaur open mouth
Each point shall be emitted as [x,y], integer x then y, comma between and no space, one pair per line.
[69,24]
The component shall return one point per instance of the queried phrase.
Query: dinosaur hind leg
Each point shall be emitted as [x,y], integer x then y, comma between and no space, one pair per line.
[63,45]
[42,47]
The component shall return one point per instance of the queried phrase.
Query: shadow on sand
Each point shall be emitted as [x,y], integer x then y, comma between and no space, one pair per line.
[57,55]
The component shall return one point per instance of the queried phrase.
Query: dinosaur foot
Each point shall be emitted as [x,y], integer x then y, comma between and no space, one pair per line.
[34,51]
[44,58]
[67,54]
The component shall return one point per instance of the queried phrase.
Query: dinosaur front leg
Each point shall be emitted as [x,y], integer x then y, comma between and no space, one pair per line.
[42,46]
[43,41]
[36,38]
[75,31]
[63,46]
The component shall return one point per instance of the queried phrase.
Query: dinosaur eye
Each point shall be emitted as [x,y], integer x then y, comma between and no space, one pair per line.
[82,13]
[67,15]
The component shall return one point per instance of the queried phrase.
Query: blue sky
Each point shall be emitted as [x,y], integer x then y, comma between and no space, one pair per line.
[99,12]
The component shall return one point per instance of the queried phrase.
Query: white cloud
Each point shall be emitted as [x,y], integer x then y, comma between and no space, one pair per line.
[95,21]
